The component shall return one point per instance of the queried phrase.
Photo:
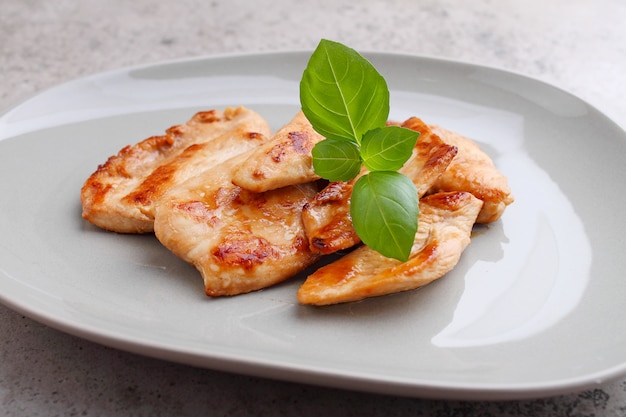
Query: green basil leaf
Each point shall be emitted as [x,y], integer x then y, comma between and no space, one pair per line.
[388,148]
[336,160]
[342,94]
[384,210]
[347,101]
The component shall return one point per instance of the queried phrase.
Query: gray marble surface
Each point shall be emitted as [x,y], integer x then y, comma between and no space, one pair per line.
[578,45]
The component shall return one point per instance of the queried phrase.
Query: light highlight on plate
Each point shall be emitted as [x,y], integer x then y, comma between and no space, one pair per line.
[519,296]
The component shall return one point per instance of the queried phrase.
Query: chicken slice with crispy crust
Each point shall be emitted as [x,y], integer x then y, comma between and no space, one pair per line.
[444,231]
[327,217]
[194,159]
[285,160]
[120,195]
[472,170]
[240,241]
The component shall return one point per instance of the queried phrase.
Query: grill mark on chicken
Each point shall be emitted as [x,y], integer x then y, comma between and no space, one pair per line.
[298,142]
[240,250]
[301,142]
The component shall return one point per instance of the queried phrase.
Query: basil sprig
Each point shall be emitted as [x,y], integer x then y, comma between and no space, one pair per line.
[347,101]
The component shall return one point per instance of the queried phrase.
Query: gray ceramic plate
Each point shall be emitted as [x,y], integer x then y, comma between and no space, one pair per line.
[534,307]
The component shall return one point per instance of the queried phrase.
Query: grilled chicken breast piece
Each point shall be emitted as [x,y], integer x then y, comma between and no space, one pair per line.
[472,170]
[240,241]
[327,219]
[120,195]
[285,160]
[444,230]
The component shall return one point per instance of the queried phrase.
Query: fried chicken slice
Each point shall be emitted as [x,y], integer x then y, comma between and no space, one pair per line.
[120,195]
[240,241]
[327,221]
[444,230]
[472,170]
[285,160]
[327,218]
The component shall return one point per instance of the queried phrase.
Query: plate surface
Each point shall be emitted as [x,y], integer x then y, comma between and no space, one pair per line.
[532,309]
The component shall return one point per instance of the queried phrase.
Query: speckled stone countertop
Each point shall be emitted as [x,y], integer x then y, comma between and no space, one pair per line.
[578,45]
